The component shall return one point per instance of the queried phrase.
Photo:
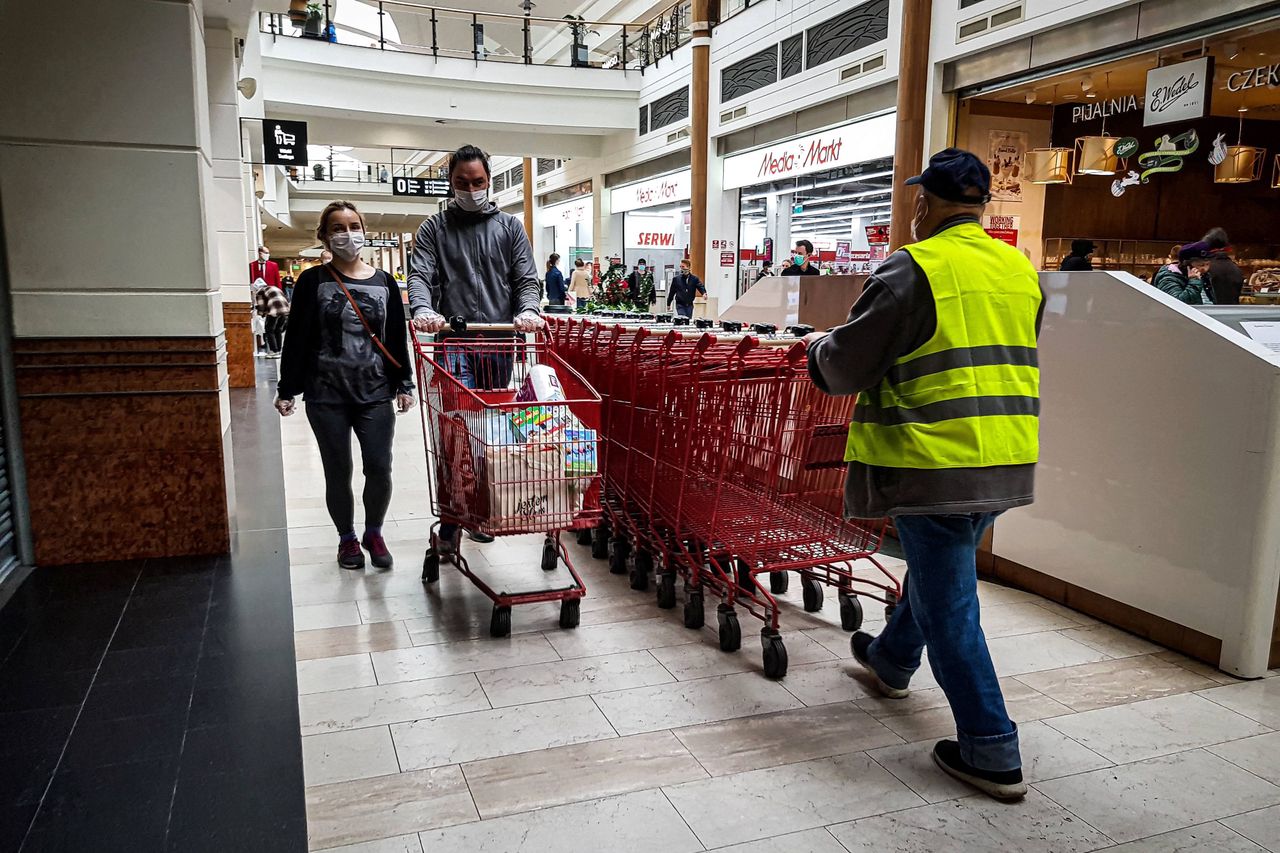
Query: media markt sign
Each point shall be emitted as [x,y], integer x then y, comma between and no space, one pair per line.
[850,145]
[1179,92]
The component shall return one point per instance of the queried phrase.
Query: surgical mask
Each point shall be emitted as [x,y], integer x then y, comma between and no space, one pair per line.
[264,257]
[347,244]
[471,200]
[799,259]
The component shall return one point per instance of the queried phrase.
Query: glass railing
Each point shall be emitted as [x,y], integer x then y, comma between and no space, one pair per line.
[438,31]
[323,171]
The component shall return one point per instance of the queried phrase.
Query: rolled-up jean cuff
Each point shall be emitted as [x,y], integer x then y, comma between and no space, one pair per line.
[995,753]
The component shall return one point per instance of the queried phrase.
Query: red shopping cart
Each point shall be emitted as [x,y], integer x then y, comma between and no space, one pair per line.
[504,462]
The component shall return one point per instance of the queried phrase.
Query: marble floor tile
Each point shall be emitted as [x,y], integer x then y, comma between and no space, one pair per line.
[311,616]
[786,737]
[1062,609]
[1021,617]
[1260,755]
[398,844]
[1153,727]
[351,640]
[779,800]
[468,656]
[625,637]
[1046,754]
[1205,838]
[342,673]
[431,742]
[1198,667]
[1111,641]
[368,809]
[701,660]
[687,703]
[569,774]
[1261,827]
[343,756]
[578,677]
[993,594]
[926,715]
[389,703]
[974,825]
[824,683]
[1035,652]
[1257,700]
[807,841]
[643,822]
[1159,795]
[1114,682]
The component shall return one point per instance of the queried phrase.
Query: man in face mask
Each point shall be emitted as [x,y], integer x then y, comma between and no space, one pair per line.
[800,260]
[264,268]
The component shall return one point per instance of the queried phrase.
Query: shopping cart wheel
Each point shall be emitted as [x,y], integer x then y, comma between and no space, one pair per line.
[619,548]
[600,542]
[550,556]
[778,582]
[667,590]
[431,567]
[640,571]
[812,594]
[745,583]
[694,616]
[584,535]
[891,603]
[500,624]
[570,612]
[730,630]
[850,612]
[775,654]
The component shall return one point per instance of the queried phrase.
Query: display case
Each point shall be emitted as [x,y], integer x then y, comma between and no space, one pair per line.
[1142,258]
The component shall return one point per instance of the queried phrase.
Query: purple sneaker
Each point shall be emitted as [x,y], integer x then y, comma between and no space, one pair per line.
[377,548]
[349,554]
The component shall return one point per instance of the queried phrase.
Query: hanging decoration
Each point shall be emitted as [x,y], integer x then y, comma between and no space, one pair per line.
[1239,163]
[1050,165]
[1168,157]
[1275,174]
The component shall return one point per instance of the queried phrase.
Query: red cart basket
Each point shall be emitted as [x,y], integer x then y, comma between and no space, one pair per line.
[505,463]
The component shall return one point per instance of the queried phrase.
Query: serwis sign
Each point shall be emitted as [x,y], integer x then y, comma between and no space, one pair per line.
[819,152]
[1179,92]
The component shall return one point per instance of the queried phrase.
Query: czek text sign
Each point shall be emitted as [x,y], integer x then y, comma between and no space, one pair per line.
[425,187]
[1179,92]
[284,143]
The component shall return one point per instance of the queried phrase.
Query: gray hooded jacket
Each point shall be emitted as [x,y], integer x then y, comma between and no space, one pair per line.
[478,266]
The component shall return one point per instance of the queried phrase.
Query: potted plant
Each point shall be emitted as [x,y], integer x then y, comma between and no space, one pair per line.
[314,27]
[298,12]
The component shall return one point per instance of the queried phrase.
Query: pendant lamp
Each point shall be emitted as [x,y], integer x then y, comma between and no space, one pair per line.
[1243,163]
[1096,155]
[1050,165]
[1275,174]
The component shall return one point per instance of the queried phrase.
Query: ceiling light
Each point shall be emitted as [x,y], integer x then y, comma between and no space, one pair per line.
[1086,84]
[247,87]
[1031,97]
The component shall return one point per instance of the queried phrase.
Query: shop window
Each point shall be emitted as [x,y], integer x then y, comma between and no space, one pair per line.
[499,182]
[747,75]
[839,36]
[517,176]
[546,165]
[669,109]
[644,119]
[792,55]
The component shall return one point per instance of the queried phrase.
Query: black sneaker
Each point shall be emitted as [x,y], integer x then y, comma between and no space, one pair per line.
[349,554]
[477,536]
[1002,785]
[860,642]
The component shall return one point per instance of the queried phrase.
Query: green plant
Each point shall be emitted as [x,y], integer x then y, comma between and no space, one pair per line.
[314,9]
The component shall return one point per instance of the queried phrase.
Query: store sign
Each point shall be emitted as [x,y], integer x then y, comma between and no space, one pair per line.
[284,143]
[382,243]
[726,259]
[843,247]
[878,235]
[421,187]
[567,213]
[1254,78]
[768,248]
[651,232]
[1179,92]
[845,146]
[1002,228]
[653,192]
[1104,108]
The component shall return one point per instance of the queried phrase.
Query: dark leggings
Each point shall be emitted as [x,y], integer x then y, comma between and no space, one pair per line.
[375,426]
[275,333]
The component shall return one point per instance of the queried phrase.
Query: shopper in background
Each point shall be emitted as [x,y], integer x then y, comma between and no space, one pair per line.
[800,260]
[685,287]
[264,269]
[766,270]
[555,281]
[1182,279]
[1079,259]
[635,282]
[580,282]
[1223,280]
[287,283]
[348,355]
[273,307]
[941,349]
[473,261]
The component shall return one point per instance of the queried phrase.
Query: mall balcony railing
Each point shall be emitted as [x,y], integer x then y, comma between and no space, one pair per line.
[322,171]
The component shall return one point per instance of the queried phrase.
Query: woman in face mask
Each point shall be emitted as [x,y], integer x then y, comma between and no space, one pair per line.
[347,353]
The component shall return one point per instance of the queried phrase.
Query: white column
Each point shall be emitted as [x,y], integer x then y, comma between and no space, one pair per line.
[232,248]
[777,225]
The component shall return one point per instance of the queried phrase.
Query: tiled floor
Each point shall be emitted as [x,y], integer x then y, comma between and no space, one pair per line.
[632,733]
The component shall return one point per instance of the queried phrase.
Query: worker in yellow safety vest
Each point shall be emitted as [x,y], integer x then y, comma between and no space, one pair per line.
[941,351]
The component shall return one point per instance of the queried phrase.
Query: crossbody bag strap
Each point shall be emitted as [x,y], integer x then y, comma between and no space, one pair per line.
[363,322]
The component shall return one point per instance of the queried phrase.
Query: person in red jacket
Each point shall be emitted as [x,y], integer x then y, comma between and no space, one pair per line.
[264,268]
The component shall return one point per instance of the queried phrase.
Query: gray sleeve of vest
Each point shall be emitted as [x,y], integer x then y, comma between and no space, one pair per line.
[894,316]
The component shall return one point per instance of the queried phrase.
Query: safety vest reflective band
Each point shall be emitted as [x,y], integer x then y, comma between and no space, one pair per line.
[970,396]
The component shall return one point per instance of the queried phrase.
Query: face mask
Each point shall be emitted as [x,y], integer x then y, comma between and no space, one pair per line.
[922,212]
[641,268]
[264,257]
[347,244]
[799,259]
[471,200]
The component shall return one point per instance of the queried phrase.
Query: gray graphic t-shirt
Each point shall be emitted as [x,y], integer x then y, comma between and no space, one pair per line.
[349,366]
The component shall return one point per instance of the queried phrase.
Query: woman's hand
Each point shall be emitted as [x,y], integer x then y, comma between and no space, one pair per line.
[528,321]
[286,407]
[404,402]
[430,322]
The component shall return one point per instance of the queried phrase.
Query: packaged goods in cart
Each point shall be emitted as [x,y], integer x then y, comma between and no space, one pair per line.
[541,384]
[580,451]
[527,486]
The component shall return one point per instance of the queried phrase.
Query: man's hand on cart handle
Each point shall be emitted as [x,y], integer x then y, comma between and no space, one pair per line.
[528,321]
[813,337]
[286,407]
[429,321]
[404,402]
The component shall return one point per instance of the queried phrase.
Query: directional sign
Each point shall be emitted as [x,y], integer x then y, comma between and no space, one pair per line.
[284,143]
[382,243]
[425,187]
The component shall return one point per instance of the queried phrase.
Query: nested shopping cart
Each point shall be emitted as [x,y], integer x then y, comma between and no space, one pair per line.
[504,465]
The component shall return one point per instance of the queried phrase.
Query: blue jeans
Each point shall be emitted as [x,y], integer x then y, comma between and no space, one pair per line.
[483,370]
[939,609]
[684,310]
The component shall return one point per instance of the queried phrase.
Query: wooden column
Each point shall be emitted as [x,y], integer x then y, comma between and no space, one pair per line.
[699,96]
[913,85]
[528,197]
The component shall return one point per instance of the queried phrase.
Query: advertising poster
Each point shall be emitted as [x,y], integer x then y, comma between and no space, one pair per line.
[1007,149]
[842,251]
[1003,228]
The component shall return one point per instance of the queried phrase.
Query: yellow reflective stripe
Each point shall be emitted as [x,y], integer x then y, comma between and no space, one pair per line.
[979,442]
[987,380]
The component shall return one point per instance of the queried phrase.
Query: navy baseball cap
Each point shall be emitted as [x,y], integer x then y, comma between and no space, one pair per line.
[957,176]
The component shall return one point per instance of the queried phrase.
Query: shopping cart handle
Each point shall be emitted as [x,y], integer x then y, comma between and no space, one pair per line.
[703,323]
[799,331]
[458,324]
[731,326]
[680,321]
[764,328]
[662,318]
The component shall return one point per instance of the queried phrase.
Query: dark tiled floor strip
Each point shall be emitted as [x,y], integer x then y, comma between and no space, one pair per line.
[152,706]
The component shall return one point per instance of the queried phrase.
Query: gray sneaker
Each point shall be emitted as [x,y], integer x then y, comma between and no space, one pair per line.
[860,644]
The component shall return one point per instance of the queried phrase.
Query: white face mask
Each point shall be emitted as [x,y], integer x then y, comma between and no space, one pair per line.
[264,257]
[347,244]
[471,200]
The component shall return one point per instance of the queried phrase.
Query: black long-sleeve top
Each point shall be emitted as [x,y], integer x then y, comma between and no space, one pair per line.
[329,357]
